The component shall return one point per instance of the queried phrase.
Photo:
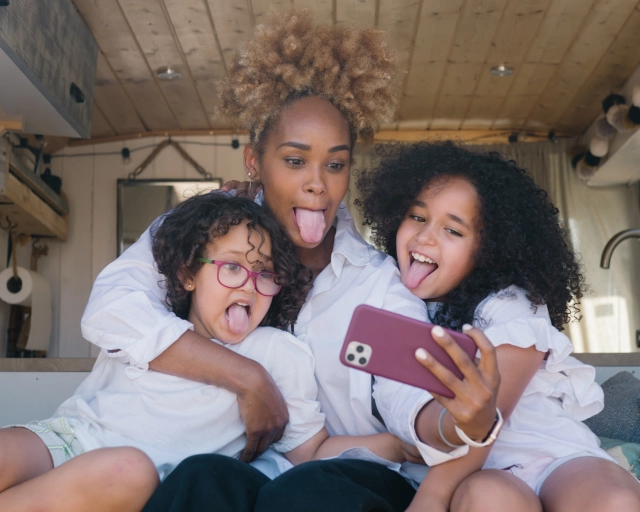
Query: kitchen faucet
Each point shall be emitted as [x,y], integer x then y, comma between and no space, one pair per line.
[613,243]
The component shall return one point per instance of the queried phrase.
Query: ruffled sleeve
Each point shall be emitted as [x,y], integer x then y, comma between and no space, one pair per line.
[508,317]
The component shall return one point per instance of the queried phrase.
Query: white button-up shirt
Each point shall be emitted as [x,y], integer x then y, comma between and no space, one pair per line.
[127,311]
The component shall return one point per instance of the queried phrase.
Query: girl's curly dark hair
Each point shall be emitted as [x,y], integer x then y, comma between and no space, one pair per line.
[522,241]
[185,231]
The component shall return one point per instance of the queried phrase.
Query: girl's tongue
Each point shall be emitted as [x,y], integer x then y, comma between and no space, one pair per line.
[238,318]
[311,224]
[418,271]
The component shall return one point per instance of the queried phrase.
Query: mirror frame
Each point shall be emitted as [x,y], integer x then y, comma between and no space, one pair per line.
[124,183]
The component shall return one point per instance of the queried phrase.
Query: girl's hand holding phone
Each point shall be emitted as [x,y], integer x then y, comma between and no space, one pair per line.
[473,408]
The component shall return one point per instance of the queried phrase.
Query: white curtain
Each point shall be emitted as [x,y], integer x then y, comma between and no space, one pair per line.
[611,307]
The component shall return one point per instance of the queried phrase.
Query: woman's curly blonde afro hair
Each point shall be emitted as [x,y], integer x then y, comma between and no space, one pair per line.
[291,58]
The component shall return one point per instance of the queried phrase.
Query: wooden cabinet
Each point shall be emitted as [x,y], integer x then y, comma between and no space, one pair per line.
[48,62]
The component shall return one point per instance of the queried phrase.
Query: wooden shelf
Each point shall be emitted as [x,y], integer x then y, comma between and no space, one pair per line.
[22,207]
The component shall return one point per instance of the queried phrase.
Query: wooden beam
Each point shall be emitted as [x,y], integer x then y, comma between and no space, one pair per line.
[154,133]
[10,126]
[466,136]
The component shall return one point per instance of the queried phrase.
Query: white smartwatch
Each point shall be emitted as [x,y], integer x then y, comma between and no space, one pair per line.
[491,436]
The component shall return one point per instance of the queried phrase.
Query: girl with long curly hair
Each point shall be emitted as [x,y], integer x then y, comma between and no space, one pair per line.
[305,93]
[482,245]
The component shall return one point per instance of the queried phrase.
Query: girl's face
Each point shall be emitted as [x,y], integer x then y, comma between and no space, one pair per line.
[436,241]
[305,168]
[230,314]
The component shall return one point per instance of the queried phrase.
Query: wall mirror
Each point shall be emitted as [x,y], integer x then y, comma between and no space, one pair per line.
[140,202]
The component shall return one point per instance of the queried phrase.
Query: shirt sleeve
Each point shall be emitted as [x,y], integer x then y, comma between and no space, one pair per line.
[292,366]
[127,315]
[509,318]
[397,403]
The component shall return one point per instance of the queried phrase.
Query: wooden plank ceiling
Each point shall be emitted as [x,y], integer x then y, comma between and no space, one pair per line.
[567,56]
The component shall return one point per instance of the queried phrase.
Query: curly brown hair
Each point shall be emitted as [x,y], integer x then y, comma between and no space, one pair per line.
[181,236]
[291,58]
[522,240]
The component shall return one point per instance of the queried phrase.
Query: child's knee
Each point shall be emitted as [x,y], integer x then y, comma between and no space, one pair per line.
[127,468]
[485,486]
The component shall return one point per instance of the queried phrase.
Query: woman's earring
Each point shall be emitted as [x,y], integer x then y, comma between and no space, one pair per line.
[250,181]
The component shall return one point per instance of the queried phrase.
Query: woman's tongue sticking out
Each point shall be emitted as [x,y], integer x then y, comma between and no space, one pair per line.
[311,224]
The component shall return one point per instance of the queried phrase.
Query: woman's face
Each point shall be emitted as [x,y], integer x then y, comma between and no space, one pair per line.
[305,168]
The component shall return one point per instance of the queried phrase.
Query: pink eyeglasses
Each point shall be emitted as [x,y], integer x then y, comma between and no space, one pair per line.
[234,275]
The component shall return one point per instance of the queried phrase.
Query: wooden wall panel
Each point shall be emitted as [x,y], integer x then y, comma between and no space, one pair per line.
[154,35]
[261,8]
[567,53]
[516,30]
[615,66]
[478,24]
[434,39]
[112,32]
[322,9]
[232,22]
[602,24]
[562,21]
[400,19]
[194,30]
[112,99]
[449,112]
[356,12]
[100,127]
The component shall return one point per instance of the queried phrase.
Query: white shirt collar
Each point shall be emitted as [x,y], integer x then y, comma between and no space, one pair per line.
[348,244]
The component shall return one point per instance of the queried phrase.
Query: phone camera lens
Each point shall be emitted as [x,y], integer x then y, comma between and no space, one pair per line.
[362,360]
[350,357]
[360,349]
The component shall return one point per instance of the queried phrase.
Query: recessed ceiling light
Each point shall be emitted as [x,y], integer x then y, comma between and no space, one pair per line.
[168,73]
[502,70]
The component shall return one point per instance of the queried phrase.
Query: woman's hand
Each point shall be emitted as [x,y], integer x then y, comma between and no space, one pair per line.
[264,413]
[248,189]
[473,409]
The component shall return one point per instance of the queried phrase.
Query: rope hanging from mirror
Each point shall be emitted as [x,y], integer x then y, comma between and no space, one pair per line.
[156,151]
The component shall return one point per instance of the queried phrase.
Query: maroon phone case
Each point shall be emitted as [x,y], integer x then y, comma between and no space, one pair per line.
[393,339]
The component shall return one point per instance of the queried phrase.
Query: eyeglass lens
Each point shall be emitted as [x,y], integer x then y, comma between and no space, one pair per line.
[234,276]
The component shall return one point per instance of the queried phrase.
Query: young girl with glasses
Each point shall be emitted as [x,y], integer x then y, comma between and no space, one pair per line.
[231,271]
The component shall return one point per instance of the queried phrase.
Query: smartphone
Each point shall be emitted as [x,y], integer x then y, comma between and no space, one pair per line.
[384,343]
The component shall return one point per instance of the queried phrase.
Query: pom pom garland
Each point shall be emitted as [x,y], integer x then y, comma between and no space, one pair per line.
[618,117]
[598,147]
[604,130]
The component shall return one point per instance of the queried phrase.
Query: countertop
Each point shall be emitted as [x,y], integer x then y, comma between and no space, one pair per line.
[85,364]
[80,364]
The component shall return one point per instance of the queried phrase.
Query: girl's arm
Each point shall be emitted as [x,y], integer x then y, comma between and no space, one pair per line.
[517,367]
[322,446]
[474,404]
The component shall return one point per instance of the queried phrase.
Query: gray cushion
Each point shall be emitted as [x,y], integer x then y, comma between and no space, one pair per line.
[620,418]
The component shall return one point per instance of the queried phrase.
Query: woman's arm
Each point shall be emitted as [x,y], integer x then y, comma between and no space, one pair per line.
[262,408]
[517,367]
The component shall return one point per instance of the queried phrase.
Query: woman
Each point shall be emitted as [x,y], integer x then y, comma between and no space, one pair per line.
[305,93]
